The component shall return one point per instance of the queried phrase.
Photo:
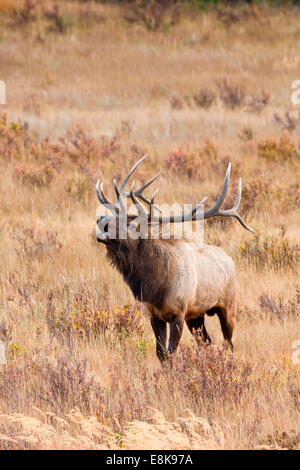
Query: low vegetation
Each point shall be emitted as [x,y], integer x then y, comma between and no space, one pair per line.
[81,370]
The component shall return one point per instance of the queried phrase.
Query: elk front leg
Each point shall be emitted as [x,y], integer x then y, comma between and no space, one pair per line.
[176,327]
[160,330]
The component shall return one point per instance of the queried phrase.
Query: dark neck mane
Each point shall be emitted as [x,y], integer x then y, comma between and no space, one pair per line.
[145,266]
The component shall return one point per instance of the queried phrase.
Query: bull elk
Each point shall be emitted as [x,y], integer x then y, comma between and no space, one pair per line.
[175,283]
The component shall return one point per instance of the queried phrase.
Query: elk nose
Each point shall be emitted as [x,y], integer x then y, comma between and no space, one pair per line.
[100,219]
[102,223]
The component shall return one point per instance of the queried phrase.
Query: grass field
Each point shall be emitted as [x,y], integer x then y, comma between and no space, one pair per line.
[90,89]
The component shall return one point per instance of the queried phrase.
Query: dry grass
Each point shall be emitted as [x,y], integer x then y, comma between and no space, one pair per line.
[87,101]
[75,431]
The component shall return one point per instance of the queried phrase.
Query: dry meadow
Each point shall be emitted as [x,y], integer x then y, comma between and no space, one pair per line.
[90,88]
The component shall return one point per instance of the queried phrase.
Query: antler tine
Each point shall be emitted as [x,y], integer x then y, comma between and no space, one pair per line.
[152,203]
[106,201]
[130,173]
[119,207]
[103,199]
[119,200]
[116,188]
[137,204]
[215,210]
[147,201]
[98,193]
[233,212]
[212,210]
[238,196]
[138,192]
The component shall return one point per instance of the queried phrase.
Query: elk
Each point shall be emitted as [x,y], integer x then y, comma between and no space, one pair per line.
[175,283]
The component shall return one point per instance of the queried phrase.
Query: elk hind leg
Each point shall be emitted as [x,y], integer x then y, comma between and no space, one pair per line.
[197,328]
[227,324]
[176,327]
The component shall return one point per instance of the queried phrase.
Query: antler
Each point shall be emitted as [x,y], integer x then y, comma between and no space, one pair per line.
[215,211]
[103,199]
[118,207]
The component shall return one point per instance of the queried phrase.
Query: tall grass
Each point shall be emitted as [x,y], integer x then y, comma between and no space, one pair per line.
[81,366]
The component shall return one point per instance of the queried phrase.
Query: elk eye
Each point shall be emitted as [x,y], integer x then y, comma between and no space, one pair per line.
[102,223]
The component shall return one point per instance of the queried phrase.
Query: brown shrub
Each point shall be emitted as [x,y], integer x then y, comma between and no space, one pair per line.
[34,244]
[176,103]
[279,309]
[153,14]
[231,14]
[24,14]
[34,175]
[88,316]
[269,252]
[36,162]
[205,98]
[208,373]
[265,189]
[288,121]
[271,307]
[80,148]
[289,440]
[246,134]
[58,22]
[13,139]
[273,149]
[232,94]
[182,162]
[256,103]
[31,105]
[80,187]
[60,385]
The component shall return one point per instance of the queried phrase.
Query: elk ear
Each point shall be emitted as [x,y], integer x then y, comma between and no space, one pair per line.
[138,229]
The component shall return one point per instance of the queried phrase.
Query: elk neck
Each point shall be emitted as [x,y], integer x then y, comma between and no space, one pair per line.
[146,266]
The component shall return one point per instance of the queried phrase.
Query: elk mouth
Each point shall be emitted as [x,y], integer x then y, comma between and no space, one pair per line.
[102,240]
[102,237]
[105,240]
[102,233]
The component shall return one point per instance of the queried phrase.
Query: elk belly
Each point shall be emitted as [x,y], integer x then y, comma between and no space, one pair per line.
[215,279]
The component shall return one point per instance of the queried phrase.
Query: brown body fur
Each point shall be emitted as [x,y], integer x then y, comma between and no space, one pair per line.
[178,281]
